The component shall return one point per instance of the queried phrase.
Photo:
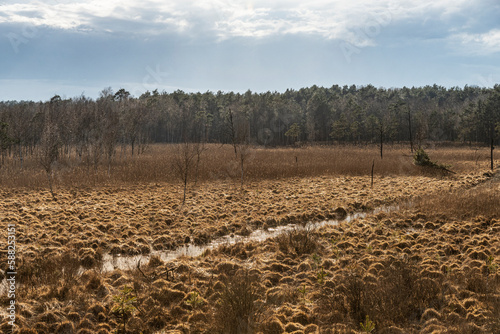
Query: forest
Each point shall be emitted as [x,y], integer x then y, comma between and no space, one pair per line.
[359,115]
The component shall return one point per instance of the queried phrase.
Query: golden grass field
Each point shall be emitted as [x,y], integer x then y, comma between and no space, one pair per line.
[218,163]
[430,267]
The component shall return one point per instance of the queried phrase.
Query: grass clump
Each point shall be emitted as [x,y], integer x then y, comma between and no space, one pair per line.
[236,310]
[299,241]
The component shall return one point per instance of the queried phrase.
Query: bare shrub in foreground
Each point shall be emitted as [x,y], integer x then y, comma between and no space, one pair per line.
[236,310]
[299,241]
[398,295]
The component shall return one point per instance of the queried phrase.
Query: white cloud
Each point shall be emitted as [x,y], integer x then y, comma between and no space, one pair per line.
[477,44]
[355,21]
[73,15]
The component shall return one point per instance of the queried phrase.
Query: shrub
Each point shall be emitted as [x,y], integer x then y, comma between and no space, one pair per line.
[299,241]
[421,158]
[124,305]
[398,296]
[368,326]
[236,310]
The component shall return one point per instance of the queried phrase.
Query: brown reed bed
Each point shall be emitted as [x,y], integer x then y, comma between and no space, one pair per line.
[460,204]
[218,162]
[410,272]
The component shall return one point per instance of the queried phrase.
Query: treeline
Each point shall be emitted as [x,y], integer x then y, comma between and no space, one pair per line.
[94,129]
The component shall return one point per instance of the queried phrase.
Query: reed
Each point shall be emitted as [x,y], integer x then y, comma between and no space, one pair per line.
[156,165]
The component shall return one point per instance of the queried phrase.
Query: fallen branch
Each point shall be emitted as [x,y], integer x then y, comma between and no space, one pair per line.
[155,276]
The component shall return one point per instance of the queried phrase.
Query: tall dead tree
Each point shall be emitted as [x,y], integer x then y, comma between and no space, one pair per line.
[183,161]
[109,123]
[490,118]
[385,123]
[409,129]
[5,141]
[239,130]
[49,151]
[200,148]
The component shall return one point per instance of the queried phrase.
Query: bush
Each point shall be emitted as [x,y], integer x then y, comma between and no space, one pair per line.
[421,158]
[236,311]
[399,295]
[299,241]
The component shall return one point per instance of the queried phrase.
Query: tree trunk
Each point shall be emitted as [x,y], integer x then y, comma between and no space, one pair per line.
[409,128]
[21,155]
[381,144]
[242,161]
[491,156]
[49,177]
[373,165]
[185,187]
[197,168]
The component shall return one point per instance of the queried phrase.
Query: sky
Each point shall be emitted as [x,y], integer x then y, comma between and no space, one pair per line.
[70,48]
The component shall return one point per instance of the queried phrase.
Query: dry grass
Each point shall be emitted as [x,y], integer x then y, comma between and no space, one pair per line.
[218,163]
[460,204]
[298,241]
[236,310]
[434,268]
[132,219]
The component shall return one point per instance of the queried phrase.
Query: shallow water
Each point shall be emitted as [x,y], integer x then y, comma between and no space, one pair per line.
[111,262]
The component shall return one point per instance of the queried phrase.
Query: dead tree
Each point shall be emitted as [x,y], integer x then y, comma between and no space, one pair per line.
[49,151]
[199,148]
[239,130]
[183,162]
[109,121]
[492,147]
[409,129]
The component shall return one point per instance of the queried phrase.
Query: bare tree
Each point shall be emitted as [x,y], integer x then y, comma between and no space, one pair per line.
[110,123]
[133,117]
[232,131]
[18,119]
[239,130]
[201,128]
[93,143]
[49,151]
[5,141]
[95,149]
[244,152]
[386,124]
[183,161]
[200,148]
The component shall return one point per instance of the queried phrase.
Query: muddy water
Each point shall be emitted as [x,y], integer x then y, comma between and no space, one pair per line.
[111,262]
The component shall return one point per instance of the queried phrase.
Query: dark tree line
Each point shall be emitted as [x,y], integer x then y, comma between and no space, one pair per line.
[116,123]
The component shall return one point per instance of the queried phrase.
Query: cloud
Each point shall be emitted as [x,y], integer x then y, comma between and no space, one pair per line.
[96,15]
[358,23]
[354,21]
[487,43]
